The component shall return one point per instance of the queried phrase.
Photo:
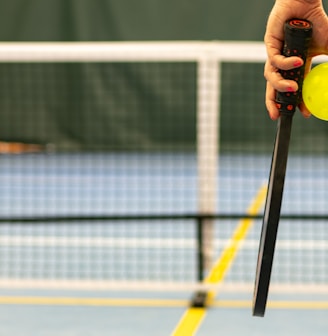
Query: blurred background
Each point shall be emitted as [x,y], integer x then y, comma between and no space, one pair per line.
[134,155]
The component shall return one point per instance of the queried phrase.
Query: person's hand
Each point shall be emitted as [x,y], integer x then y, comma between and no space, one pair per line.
[283,10]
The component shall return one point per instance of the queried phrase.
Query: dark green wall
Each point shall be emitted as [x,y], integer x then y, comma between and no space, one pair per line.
[61,20]
[129,107]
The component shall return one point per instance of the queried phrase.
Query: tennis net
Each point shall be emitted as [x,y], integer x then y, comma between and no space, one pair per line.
[133,164]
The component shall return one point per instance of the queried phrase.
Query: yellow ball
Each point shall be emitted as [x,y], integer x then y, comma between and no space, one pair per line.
[315,91]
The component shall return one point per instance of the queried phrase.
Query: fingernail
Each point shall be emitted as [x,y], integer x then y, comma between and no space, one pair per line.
[273,116]
[298,63]
[290,89]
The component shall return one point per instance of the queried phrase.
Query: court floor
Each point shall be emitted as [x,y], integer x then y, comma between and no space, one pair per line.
[53,184]
[136,315]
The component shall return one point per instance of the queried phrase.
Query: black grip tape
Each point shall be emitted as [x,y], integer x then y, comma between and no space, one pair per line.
[298,33]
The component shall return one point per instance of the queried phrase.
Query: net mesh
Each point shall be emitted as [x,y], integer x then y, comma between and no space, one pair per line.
[104,169]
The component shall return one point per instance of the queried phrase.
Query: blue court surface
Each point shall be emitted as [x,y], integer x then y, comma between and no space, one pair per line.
[127,319]
[52,184]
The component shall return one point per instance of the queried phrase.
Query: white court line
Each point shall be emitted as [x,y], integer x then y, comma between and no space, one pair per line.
[157,286]
[53,241]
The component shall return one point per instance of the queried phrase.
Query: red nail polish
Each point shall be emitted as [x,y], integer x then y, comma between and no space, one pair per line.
[290,89]
[298,63]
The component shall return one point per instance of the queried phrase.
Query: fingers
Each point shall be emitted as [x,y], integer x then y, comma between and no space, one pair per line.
[270,102]
[272,108]
[305,112]
[275,82]
[285,63]
[273,76]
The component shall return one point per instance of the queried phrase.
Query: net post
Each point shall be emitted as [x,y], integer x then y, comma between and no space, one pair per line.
[200,248]
[199,298]
[207,145]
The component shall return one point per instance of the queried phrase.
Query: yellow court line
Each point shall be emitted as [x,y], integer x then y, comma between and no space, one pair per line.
[190,322]
[218,272]
[78,301]
[273,304]
[197,313]
[298,304]
[223,264]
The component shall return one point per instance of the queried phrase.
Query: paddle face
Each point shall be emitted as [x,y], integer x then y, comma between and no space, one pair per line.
[271,214]
[297,37]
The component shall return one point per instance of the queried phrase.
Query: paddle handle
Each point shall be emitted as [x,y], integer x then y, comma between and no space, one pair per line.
[298,33]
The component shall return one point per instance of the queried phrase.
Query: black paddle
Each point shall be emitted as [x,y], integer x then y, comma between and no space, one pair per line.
[298,34]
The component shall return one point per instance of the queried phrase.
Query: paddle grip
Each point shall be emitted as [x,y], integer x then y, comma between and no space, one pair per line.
[298,33]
